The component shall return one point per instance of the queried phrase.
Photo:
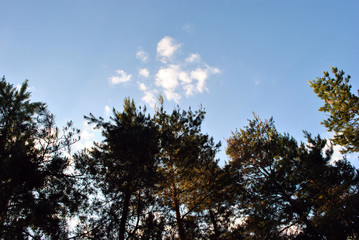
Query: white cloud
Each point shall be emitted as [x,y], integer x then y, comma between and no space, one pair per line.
[86,133]
[176,76]
[214,70]
[171,95]
[142,87]
[337,155]
[107,109]
[194,57]
[149,98]
[167,78]
[149,95]
[120,77]
[142,56]
[184,77]
[87,136]
[166,47]
[201,76]
[189,89]
[144,72]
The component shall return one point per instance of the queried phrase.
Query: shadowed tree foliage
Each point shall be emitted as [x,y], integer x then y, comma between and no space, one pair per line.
[292,191]
[36,193]
[342,107]
[187,155]
[122,168]
[216,189]
[331,189]
[262,158]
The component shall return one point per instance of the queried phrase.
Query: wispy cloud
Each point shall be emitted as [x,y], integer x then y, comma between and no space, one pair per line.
[120,77]
[142,56]
[257,79]
[107,109]
[188,28]
[144,72]
[194,57]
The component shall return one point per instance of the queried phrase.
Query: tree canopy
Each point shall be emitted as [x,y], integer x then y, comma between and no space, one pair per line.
[36,193]
[123,170]
[292,190]
[157,176]
[342,106]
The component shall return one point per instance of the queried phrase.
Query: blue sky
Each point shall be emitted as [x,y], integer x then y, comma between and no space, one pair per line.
[234,57]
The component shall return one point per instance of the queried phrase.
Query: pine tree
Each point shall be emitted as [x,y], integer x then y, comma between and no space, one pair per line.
[342,106]
[291,190]
[185,156]
[122,168]
[36,193]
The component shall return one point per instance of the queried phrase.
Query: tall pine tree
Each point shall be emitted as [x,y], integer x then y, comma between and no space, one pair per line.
[186,154]
[122,169]
[36,193]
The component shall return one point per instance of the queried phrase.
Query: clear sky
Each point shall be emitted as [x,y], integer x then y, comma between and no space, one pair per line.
[234,57]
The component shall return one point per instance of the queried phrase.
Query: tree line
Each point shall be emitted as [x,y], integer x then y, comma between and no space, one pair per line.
[157,177]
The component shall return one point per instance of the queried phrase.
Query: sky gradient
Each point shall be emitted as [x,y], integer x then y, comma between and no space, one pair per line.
[233,57]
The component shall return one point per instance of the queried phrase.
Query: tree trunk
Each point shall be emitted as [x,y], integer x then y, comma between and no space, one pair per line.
[215,226]
[124,216]
[181,230]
